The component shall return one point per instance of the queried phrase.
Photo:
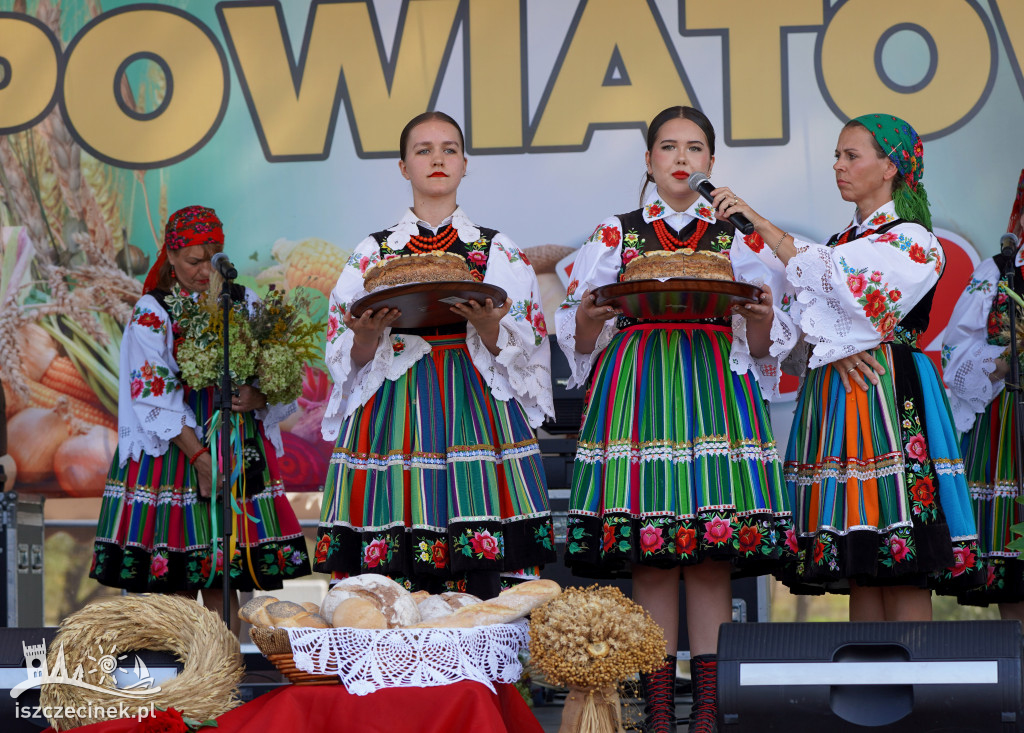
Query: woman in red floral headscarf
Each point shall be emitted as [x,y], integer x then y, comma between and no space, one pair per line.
[154,532]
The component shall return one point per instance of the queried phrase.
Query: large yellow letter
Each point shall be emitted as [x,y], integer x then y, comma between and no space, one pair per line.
[29,56]
[1009,16]
[756,82]
[579,97]
[959,78]
[495,62]
[294,106]
[196,72]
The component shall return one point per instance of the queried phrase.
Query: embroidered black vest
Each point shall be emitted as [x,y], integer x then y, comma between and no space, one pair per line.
[475,253]
[640,235]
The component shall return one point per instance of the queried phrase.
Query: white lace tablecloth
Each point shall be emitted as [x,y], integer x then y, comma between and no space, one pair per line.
[368,660]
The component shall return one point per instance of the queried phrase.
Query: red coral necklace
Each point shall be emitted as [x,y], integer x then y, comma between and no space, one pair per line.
[671,242]
[439,242]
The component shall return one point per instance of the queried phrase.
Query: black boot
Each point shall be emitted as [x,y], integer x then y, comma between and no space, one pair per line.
[704,676]
[659,689]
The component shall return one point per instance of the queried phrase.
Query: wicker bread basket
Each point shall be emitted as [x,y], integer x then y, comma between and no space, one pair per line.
[274,645]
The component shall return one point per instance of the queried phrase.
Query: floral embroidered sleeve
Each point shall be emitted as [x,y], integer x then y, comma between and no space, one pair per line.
[852,296]
[749,264]
[151,404]
[394,355]
[522,368]
[969,351]
[597,263]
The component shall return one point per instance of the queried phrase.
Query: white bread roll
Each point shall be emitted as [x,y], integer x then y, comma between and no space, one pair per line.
[510,605]
[458,600]
[359,613]
[434,607]
[527,596]
[397,603]
[419,595]
[250,607]
[304,620]
[337,594]
[283,613]
[313,621]
[479,614]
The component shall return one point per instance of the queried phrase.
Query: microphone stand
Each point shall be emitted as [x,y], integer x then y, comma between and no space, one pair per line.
[1012,381]
[224,403]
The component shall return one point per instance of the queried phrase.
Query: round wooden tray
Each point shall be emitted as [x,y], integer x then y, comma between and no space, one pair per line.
[428,304]
[676,299]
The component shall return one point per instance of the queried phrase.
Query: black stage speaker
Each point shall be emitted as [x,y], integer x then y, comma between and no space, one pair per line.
[925,677]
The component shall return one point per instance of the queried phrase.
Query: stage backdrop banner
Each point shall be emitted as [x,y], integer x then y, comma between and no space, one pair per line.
[285,118]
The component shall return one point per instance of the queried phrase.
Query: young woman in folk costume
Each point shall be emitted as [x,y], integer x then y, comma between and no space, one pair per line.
[436,478]
[975,358]
[677,471]
[880,500]
[154,532]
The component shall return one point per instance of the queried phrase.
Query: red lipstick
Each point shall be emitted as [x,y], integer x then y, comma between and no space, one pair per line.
[438,174]
[681,175]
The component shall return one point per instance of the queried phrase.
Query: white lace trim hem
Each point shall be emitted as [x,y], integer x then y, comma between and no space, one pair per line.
[368,660]
[684,453]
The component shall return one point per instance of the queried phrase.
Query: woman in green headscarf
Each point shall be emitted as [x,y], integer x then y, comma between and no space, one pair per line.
[880,503]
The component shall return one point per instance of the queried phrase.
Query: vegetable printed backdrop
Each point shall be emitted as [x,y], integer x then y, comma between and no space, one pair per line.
[285,116]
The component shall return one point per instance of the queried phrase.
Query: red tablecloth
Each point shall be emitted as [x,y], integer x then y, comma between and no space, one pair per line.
[324,709]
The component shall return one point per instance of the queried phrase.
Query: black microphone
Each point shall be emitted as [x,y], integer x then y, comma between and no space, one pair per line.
[223,265]
[1008,244]
[700,183]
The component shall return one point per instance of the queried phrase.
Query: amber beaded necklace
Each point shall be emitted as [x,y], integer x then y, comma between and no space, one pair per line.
[439,242]
[671,242]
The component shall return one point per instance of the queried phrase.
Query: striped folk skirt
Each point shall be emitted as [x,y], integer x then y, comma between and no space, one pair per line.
[991,477]
[877,482]
[676,461]
[434,477]
[155,534]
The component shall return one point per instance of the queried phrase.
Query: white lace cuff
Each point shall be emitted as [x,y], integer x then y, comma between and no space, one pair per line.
[158,429]
[394,357]
[272,416]
[767,370]
[368,660]
[971,386]
[581,365]
[518,372]
[823,319]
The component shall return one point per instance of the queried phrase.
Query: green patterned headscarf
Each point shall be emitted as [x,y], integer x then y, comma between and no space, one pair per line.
[901,143]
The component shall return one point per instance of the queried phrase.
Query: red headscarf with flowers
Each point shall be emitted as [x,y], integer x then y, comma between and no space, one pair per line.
[187,227]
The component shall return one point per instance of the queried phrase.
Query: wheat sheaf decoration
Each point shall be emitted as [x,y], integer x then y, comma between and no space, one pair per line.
[590,640]
[92,639]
